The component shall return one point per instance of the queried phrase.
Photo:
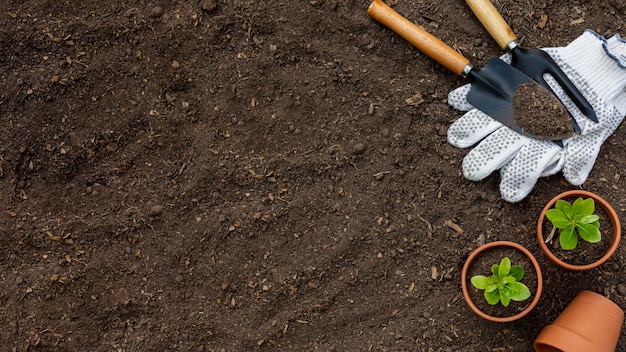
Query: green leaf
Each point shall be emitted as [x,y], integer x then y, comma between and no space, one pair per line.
[589,233]
[492,287]
[505,268]
[517,272]
[568,239]
[558,218]
[480,282]
[505,297]
[584,207]
[507,280]
[518,291]
[561,204]
[568,210]
[494,269]
[492,297]
[588,219]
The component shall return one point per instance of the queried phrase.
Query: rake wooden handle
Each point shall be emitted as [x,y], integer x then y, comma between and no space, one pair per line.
[491,19]
[418,36]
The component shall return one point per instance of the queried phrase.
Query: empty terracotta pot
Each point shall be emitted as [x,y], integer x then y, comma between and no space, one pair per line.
[615,223]
[590,323]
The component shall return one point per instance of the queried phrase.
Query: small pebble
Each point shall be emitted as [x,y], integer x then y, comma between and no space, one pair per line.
[156,210]
[208,5]
[156,12]
[358,148]
[621,288]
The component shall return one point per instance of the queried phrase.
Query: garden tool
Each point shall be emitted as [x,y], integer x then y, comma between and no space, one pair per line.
[535,63]
[493,86]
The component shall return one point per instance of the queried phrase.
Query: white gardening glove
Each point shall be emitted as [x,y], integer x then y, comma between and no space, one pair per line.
[598,69]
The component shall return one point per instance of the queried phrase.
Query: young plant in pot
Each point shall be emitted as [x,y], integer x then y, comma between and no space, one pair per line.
[585,239]
[501,281]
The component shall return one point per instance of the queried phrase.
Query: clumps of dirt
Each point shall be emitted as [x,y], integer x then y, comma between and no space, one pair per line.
[538,111]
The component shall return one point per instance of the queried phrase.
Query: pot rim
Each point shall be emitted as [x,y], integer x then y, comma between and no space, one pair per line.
[615,223]
[471,259]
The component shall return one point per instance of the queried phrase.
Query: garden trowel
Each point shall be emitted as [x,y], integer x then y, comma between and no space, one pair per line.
[493,86]
[535,63]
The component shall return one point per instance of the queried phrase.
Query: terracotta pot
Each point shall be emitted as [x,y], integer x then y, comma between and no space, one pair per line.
[617,230]
[488,246]
[590,323]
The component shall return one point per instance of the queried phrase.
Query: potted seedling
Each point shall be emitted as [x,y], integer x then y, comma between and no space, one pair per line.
[504,285]
[583,222]
[501,281]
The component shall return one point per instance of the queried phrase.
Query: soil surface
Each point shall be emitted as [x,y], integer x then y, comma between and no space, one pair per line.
[538,111]
[238,175]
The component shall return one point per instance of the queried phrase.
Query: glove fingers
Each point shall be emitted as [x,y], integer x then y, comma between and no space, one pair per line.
[458,98]
[471,128]
[583,150]
[519,176]
[580,157]
[492,153]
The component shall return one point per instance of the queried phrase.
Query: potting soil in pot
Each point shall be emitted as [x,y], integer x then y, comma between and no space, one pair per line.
[482,266]
[585,252]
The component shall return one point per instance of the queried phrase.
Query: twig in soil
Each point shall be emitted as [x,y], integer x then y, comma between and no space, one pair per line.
[380,175]
[549,238]
[430,227]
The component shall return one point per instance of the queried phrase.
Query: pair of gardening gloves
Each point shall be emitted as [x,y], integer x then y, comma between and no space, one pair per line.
[597,67]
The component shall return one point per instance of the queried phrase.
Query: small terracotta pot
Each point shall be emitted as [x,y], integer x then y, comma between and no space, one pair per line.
[617,230]
[590,323]
[484,248]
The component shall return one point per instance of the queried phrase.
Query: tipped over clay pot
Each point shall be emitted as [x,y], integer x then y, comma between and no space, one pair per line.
[590,323]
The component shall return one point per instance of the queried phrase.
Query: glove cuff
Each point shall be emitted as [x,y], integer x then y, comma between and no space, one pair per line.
[599,63]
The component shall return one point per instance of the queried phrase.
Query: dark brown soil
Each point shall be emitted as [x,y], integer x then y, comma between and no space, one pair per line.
[538,111]
[482,266]
[240,175]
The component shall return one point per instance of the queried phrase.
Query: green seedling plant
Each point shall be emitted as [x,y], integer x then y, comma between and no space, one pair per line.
[504,284]
[575,220]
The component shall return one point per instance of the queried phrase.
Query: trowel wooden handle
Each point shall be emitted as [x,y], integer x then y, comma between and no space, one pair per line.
[418,36]
[491,19]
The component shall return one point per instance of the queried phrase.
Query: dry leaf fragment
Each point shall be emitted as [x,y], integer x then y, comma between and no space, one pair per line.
[434,274]
[453,226]
[415,100]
